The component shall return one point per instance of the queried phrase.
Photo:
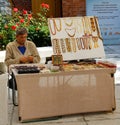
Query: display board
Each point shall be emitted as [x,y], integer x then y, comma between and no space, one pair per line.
[76,37]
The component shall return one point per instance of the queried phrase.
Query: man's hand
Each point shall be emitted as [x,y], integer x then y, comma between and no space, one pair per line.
[23,59]
[26,59]
[30,59]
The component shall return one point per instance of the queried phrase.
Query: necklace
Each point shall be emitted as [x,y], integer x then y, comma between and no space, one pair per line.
[92,21]
[63,45]
[51,26]
[68,21]
[87,25]
[68,45]
[73,44]
[95,40]
[79,25]
[78,43]
[56,46]
[57,22]
[70,32]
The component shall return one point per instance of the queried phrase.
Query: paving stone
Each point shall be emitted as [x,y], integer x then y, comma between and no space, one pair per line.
[117,91]
[71,120]
[104,122]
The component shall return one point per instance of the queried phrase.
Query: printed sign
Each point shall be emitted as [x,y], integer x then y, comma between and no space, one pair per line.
[108,13]
[76,37]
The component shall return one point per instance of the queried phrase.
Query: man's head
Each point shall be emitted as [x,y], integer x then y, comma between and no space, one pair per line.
[21,35]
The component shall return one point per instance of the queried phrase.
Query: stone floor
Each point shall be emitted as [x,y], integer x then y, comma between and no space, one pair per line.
[101,118]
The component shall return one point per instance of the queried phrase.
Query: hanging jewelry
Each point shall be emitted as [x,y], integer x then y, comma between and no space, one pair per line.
[90,42]
[56,46]
[63,45]
[84,26]
[97,28]
[51,25]
[73,44]
[68,21]
[82,42]
[68,45]
[95,40]
[79,45]
[70,32]
[79,26]
[57,22]
[92,21]
[87,25]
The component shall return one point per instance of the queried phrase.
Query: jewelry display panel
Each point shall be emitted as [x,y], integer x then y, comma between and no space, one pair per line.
[76,37]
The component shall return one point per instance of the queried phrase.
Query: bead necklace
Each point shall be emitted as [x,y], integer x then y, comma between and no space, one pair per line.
[73,41]
[68,45]
[59,28]
[68,21]
[79,45]
[63,45]
[56,46]
[51,26]
[70,32]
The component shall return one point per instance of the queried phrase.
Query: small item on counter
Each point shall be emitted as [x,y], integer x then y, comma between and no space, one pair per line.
[107,64]
[54,68]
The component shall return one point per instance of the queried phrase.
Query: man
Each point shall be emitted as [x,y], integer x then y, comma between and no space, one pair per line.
[21,50]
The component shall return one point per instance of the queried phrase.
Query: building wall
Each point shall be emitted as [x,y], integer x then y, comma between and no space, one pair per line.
[22,4]
[55,7]
[73,8]
[5,7]
[58,8]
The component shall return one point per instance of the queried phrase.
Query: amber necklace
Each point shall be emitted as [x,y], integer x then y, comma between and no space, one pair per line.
[79,45]
[73,44]
[51,26]
[56,46]
[68,21]
[95,40]
[62,45]
[68,45]
[70,32]
[57,22]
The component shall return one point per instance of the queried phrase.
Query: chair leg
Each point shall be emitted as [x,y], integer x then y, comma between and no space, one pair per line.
[14,93]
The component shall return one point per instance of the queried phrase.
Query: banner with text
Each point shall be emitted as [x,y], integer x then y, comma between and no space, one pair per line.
[108,13]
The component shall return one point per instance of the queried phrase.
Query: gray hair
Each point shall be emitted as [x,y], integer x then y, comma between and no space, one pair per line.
[21,31]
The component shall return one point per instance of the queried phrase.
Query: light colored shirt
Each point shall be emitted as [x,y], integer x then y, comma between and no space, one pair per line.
[13,53]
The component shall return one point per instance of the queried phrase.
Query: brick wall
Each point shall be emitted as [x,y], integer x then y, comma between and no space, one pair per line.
[22,4]
[73,8]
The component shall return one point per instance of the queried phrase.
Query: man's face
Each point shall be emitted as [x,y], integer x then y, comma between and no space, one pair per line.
[21,39]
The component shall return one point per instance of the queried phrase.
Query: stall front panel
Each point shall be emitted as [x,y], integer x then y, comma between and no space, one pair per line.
[62,93]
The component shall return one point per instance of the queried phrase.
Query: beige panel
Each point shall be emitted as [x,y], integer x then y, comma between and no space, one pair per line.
[63,93]
[3,99]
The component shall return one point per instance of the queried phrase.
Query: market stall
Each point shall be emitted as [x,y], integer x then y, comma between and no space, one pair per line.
[74,81]
[75,89]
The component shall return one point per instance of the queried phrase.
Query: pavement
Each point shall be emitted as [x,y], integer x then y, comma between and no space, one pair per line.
[99,118]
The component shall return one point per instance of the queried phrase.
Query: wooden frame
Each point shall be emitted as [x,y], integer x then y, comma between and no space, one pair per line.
[57,60]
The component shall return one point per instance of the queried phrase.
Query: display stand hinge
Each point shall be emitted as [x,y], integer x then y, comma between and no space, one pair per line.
[19,118]
[112,74]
